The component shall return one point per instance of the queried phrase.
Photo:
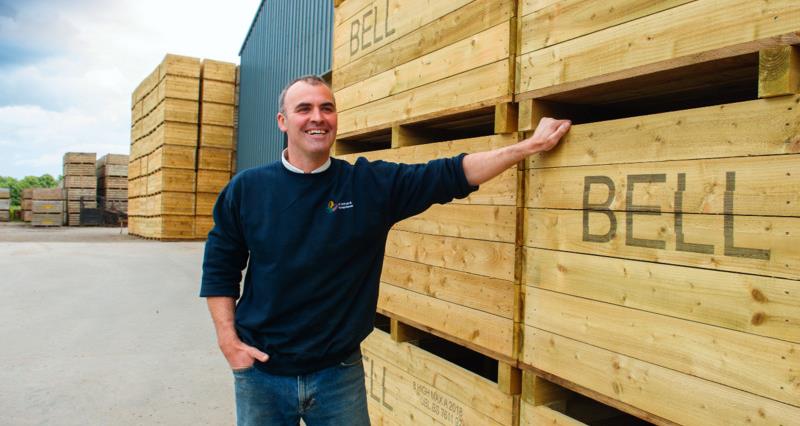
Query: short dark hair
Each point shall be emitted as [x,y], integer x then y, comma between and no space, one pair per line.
[311,79]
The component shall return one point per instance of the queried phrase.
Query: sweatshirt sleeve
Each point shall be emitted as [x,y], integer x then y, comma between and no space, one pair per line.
[226,252]
[415,187]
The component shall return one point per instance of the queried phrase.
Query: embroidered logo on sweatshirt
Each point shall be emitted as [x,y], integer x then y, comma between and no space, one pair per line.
[333,206]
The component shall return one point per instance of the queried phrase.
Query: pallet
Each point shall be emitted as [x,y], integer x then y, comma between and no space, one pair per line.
[661,254]
[407,384]
[418,60]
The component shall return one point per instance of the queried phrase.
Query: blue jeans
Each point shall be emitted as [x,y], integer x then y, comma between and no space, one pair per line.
[332,396]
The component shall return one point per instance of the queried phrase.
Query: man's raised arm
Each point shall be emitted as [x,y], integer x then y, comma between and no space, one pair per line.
[482,166]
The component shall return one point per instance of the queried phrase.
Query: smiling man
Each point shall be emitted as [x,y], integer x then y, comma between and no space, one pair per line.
[311,231]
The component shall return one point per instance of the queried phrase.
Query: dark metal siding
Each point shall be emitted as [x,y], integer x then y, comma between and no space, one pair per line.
[288,38]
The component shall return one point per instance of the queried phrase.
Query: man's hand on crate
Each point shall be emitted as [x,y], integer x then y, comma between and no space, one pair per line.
[482,166]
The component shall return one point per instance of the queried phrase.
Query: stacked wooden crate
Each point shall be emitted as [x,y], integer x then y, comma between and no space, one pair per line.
[80,184]
[47,206]
[661,248]
[414,81]
[27,204]
[164,135]
[215,152]
[5,204]
[112,181]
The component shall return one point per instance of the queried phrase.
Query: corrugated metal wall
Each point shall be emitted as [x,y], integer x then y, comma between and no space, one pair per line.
[288,38]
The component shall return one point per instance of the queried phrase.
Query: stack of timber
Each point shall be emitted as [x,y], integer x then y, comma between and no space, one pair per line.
[47,206]
[27,204]
[661,270]
[80,184]
[415,81]
[112,181]
[164,134]
[5,204]
[215,152]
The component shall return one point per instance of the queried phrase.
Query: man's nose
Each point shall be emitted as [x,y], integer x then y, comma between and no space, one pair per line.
[316,114]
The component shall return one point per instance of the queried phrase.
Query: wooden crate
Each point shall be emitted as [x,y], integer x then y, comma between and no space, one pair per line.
[171,180]
[137,187]
[106,184]
[77,181]
[216,136]
[116,194]
[214,159]
[164,227]
[113,159]
[662,254]
[46,219]
[27,193]
[27,215]
[79,158]
[79,169]
[170,203]
[27,204]
[568,45]
[168,133]
[396,62]
[202,226]
[408,385]
[5,204]
[47,194]
[205,203]
[212,181]
[5,193]
[451,269]
[76,194]
[113,170]
[173,157]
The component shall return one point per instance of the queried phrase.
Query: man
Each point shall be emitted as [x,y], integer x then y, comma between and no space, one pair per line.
[314,230]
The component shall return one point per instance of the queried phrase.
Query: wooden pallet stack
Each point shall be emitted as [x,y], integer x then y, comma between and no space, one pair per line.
[661,251]
[414,81]
[164,133]
[27,204]
[112,181]
[5,204]
[215,152]
[47,206]
[80,184]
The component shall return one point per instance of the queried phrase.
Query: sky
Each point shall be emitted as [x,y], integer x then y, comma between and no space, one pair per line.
[68,68]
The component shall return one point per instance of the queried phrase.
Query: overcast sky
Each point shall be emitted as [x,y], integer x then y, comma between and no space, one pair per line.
[68,68]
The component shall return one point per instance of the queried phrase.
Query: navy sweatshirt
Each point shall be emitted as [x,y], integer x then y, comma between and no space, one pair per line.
[313,246]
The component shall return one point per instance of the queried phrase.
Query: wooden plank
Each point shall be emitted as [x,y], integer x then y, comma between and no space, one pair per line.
[177,87]
[652,388]
[483,48]
[171,180]
[170,203]
[218,91]
[481,331]
[217,114]
[739,129]
[170,133]
[756,364]
[47,194]
[173,157]
[179,65]
[694,32]
[80,181]
[474,17]
[219,71]
[401,332]
[79,158]
[437,380]
[568,19]
[765,185]
[490,223]
[479,87]
[212,181]
[759,305]
[485,294]
[214,158]
[491,259]
[501,190]
[779,71]
[505,118]
[78,169]
[750,244]
[217,136]
[383,22]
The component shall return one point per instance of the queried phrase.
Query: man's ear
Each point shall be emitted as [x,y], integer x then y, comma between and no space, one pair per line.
[281,122]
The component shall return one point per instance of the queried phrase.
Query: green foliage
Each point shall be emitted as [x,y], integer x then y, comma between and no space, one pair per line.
[16,186]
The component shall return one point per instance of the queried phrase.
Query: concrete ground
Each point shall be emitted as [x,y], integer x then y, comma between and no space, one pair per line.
[100,328]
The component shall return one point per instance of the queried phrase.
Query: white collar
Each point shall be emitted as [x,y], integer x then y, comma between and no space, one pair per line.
[294,169]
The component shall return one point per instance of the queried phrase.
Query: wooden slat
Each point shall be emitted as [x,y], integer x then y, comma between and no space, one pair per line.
[172,180]
[217,114]
[758,305]
[432,375]
[675,396]
[486,85]
[544,415]
[216,136]
[563,230]
[219,92]
[740,129]
[170,203]
[756,364]
[468,20]
[173,157]
[219,71]
[487,333]
[392,19]
[485,294]
[179,65]
[691,33]
[567,19]
[214,158]
[491,259]
[491,223]
[178,88]
[761,186]
[483,48]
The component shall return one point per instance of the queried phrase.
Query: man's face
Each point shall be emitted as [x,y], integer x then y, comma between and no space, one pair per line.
[310,119]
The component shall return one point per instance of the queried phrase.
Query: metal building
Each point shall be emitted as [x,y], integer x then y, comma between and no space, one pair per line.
[287,39]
